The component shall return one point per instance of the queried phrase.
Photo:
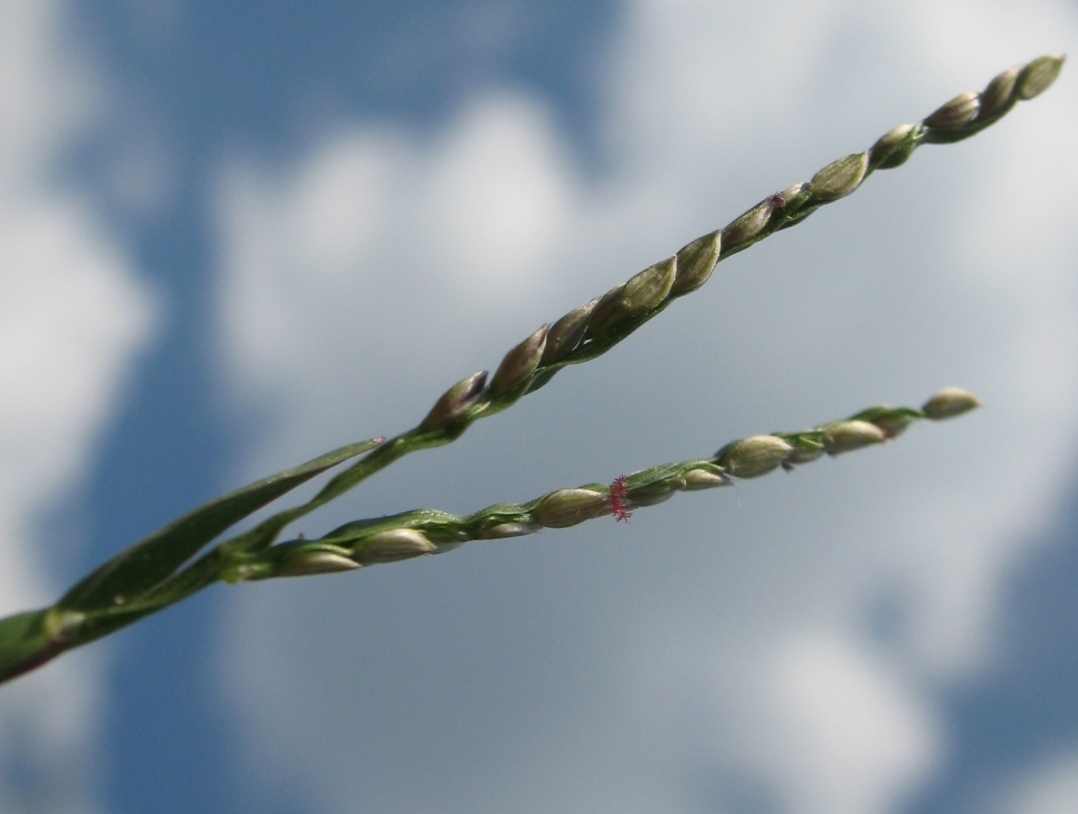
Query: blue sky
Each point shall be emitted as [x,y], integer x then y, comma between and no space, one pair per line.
[238,235]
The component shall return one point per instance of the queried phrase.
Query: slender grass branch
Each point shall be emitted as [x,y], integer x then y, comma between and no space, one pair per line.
[428,531]
[163,569]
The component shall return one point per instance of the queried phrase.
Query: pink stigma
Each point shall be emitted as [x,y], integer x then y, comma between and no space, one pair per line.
[619,499]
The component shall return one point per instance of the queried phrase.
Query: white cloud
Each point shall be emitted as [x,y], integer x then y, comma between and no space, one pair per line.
[1049,788]
[846,715]
[71,317]
[474,218]
[360,281]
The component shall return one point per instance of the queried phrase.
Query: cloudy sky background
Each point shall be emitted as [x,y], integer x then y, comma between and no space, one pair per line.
[237,235]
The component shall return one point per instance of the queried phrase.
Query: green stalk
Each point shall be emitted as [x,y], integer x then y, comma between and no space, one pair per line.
[151,575]
[428,531]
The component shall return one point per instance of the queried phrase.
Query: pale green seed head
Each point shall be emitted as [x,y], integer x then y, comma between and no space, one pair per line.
[567,507]
[847,436]
[839,178]
[455,402]
[651,500]
[316,562]
[1039,75]
[894,147]
[641,294]
[950,402]
[648,289]
[501,531]
[607,313]
[393,545]
[653,494]
[791,199]
[695,262]
[747,226]
[565,334]
[998,96]
[698,479]
[753,457]
[955,114]
[520,363]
